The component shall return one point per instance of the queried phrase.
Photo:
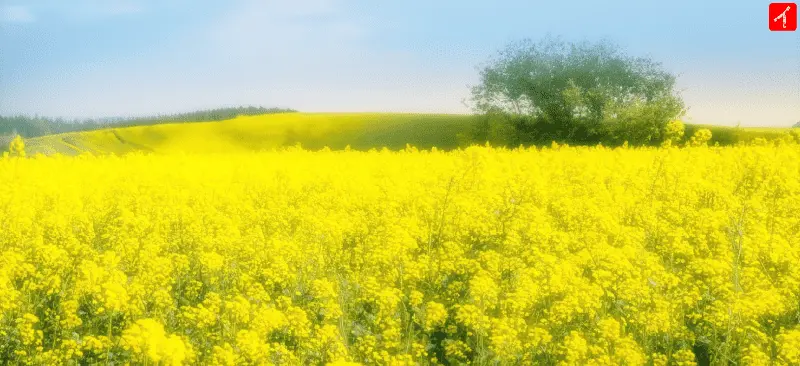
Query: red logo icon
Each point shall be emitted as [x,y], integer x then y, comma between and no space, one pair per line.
[782,16]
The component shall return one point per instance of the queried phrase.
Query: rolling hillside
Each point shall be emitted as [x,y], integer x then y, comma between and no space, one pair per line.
[725,135]
[361,131]
[313,130]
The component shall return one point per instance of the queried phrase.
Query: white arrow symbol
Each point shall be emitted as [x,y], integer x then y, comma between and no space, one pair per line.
[783,15]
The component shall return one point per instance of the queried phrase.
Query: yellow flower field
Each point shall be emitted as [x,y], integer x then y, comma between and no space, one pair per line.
[562,255]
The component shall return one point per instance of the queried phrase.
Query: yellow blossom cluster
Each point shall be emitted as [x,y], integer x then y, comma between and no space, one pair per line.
[557,256]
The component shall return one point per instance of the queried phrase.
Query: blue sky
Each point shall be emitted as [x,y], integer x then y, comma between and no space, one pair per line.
[92,58]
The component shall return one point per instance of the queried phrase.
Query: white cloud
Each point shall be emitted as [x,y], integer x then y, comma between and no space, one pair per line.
[312,55]
[101,8]
[16,14]
[119,7]
[76,9]
[258,26]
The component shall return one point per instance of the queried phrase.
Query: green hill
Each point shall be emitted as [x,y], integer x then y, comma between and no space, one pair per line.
[35,126]
[362,131]
[725,135]
[246,133]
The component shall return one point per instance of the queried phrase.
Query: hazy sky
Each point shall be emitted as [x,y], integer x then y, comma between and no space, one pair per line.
[91,58]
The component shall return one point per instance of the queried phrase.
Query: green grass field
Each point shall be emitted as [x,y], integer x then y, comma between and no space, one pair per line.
[726,135]
[362,131]
[313,130]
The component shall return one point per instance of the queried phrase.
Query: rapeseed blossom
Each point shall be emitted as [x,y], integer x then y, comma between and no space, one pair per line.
[559,256]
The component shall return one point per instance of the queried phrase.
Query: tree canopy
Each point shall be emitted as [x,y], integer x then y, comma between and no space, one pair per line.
[576,92]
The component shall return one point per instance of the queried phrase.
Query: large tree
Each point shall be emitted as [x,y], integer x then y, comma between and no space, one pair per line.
[577,92]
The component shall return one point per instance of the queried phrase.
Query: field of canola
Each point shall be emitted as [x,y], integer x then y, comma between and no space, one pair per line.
[561,255]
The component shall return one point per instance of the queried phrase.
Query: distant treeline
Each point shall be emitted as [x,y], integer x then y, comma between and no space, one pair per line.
[39,126]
